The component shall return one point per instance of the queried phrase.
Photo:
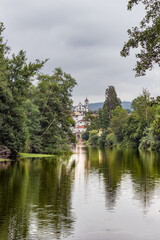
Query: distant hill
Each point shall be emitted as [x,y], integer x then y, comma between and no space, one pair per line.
[96,106]
[126,105]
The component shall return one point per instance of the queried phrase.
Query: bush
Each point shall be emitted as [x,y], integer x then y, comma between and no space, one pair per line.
[85,136]
[93,132]
[93,137]
[111,140]
[102,140]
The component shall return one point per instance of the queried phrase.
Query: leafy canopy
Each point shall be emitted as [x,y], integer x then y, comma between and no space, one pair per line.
[145,37]
[33,118]
[111,100]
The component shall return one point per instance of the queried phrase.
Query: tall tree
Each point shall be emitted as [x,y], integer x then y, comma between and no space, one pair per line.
[7,129]
[117,122]
[111,100]
[143,106]
[22,74]
[35,119]
[16,77]
[146,37]
[54,100]
[103,118]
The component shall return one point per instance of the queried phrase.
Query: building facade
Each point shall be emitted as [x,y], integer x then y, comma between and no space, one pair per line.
[78,115]
[82,108]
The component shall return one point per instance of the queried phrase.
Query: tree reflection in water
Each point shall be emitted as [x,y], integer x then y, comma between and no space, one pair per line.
[54,199]
[114,164]
[35,200]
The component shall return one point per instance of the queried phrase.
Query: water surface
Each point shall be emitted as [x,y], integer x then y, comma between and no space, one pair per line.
[97,194]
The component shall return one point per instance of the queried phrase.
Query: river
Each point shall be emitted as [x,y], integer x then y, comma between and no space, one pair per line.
[97,194]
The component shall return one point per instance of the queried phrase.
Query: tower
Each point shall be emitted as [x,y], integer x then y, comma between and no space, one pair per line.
[86,103]
[80,107]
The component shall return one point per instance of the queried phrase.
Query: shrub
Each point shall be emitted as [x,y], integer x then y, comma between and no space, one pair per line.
[102,140]
[93,137]
[111,140]
[85,136]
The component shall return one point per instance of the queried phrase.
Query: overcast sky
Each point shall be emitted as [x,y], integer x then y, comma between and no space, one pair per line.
[84,37]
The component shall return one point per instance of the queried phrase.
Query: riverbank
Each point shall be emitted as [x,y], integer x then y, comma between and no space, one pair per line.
[34,155]
[5,160]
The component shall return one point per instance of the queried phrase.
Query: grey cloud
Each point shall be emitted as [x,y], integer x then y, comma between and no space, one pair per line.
[83,37]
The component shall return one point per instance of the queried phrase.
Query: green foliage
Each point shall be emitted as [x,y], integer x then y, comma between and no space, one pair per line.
[93,140]
[103,118]
[140,128]
[138,121]
[93,137]
[143,106]
[151,138]
[111,100]
[94,123]
[33,119]
[111,140]
[118,122]
[93,132]
[32,113]
[133,131]
[146,140]
[38,118]
[12,117]
[85,136]
[21,75]
[145,37]
[102,140]
[54,101]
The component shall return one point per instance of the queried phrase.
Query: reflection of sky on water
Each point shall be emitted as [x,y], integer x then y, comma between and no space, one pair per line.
[113,200]
[98,194]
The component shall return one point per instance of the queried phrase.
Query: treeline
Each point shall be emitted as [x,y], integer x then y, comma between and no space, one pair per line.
[114,126]
[33,118]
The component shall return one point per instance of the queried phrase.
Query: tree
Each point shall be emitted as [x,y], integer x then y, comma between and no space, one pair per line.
[118,121]
[20,77]
[35,119]
[111,100]
[151,138]
[53,97]
[133,131]
[102,140]
[93,120]
[93,137]
[139,120]
[16,76]
[146,37]
[22,74]
[111,140]
[144,108]
[85,136]
[12,129]
[103,118]
[32,122]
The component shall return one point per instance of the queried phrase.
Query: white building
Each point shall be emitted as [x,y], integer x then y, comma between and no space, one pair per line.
[82,108]
[78,115]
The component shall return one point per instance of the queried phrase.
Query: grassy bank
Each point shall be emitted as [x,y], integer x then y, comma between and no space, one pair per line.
[5,160]
[34,155]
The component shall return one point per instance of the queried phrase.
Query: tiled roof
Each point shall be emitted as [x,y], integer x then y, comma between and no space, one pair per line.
[81,127]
